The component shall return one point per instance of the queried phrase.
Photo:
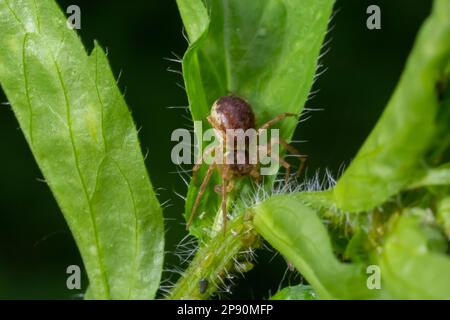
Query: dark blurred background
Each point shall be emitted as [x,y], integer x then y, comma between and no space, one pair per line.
[363,67]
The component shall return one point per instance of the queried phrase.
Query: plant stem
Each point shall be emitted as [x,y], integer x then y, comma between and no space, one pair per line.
[216,261]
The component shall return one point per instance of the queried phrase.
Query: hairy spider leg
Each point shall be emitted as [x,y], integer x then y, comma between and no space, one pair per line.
[206,152]
[200,194]
[281,161]
[294,151]
[283,142]
[230,187]
[225,180]
[255,174]
[199,163]
[278,118]
[226,187]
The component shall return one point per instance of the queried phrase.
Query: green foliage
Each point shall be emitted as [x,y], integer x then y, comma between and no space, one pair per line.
[443,214]
[398,157]
[393,154]
[412,250]
[299,292]
[414,262]
[263,51]
[195,18]
[299,234]
[83,138]
[434,177]
[223,256]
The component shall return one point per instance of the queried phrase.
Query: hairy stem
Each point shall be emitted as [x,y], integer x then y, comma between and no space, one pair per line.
[216,262]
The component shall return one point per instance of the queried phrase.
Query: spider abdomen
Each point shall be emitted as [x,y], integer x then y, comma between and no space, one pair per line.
[232,112]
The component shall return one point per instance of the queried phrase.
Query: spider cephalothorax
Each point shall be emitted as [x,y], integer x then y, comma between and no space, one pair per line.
[232,113]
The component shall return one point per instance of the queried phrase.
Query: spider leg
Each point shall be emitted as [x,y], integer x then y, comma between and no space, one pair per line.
[224,203]
[207,151]
[200,194]
[230,187]
[255,174]
[225,186]
[285,164]
[279,117]
[281,161]
[294,151]
[199,163]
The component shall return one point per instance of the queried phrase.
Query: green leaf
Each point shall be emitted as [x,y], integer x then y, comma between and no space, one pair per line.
[299,292]
[83,138]
[392,155]
[298,233]
[265,51]
[195,17]
[443,215]
[434,177]
[413,260]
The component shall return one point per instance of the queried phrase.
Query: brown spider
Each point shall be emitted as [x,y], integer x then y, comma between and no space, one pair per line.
[233,113]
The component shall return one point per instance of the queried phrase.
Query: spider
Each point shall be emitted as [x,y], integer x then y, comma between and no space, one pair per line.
[233,113]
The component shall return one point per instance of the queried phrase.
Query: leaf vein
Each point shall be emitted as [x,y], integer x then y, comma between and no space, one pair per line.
[83,183]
